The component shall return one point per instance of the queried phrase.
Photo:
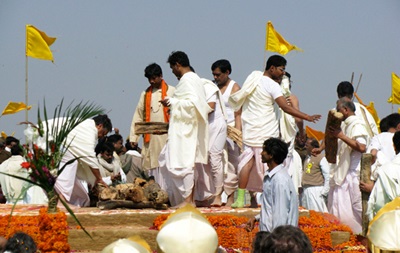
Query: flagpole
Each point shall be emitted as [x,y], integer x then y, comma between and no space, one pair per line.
[26,87]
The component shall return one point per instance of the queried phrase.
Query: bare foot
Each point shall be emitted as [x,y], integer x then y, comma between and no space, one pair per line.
[253,201]
[230,200]
[217,202]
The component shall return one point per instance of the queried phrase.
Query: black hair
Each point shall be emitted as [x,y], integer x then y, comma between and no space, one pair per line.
[223,65]
[152,70]
[314,143]
[384,124]
[393,120]
[275,60]
[396,141]
[287,239]
[345,89]
[179,57]
[277,148]
[114,138]
[16,150]
[103,146]
[104,120]
[11,139]
[20,243]
[259,240]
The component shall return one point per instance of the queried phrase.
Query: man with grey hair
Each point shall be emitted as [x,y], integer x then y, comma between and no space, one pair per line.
[344,200]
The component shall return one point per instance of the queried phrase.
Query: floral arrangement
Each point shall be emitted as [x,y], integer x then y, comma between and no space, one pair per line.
[233,236]
[47,143]
[49,231]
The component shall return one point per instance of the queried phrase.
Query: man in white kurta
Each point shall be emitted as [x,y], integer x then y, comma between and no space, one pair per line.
[210,177]
[71,183]
[259,121]
[187,142]
[221,70]
[381,148]
[387,185]
[344,200]
[149,109]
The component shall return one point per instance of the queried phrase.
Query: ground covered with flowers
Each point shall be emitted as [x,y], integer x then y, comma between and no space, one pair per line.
[49,231]
[233,236]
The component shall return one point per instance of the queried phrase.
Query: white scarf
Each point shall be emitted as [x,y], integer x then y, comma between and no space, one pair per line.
[353,128]
[237,99]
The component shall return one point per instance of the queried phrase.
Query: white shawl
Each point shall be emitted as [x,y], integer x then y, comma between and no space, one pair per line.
[188,131]
[353,128]
[237,99]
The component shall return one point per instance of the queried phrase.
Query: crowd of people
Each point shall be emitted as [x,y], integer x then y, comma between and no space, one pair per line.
[196,162]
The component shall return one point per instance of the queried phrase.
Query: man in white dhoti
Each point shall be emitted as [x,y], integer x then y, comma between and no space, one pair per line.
[187,142]
[259,121]
[387,186]
[83,139]
[210,177]
[344,200]
[221,70]
[149,109]
[315,179]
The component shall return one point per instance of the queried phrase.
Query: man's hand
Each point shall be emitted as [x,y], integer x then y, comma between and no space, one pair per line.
[116,177]
[314,118]
[316,151]
[165,102]
[101,182]
[250,224]
[366,187]
[336,132]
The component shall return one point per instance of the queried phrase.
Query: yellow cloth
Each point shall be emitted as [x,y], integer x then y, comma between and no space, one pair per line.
[38,44]
[274,42]
[395,97]
[312,133]
[14,107]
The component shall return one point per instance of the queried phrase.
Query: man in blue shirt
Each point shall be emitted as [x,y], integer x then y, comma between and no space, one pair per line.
[279,200]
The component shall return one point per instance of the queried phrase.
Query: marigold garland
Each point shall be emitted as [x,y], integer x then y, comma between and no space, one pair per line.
[49,231]
[232,234]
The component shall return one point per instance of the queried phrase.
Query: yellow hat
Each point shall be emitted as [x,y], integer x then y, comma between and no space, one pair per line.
[384,229]
[187,231]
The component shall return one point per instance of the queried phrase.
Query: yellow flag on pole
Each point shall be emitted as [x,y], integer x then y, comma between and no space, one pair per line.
[38,44]
[14,107]
[395,97]
[312,133]
[274,42]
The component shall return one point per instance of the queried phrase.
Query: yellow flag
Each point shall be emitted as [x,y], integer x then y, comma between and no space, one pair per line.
[395,97]
[312,133]
[38,44]
[274,42]
[14,107]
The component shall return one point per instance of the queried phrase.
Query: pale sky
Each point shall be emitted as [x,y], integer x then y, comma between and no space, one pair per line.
[102,48]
